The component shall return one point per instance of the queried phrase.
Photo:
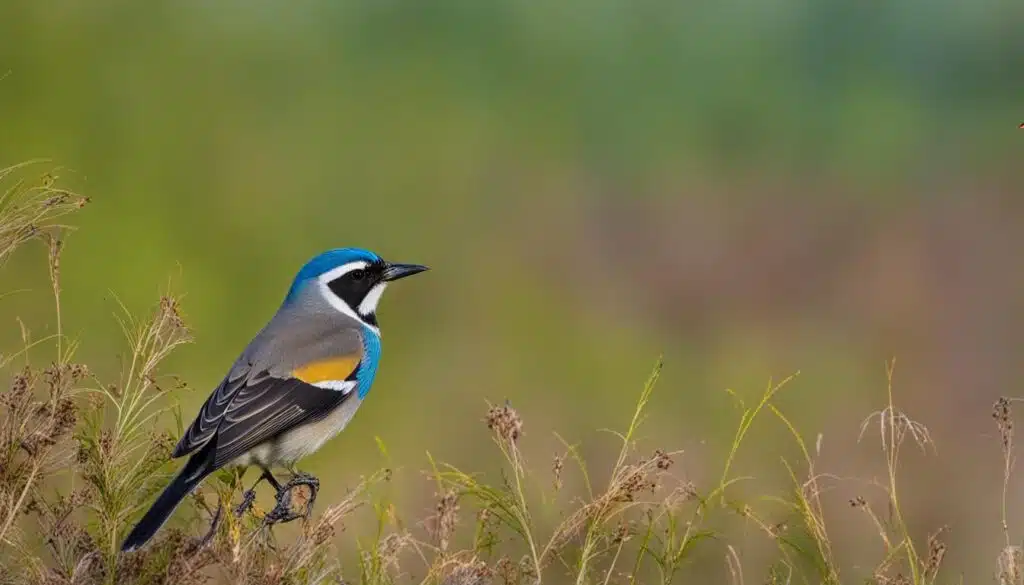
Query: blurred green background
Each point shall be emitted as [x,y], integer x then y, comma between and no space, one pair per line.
[749,187]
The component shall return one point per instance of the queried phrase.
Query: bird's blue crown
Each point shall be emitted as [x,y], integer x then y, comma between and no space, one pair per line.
[327,261]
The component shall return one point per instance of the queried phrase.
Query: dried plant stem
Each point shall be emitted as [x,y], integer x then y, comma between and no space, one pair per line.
[614,561]
[590,541]
[746,421]
[17,507]
[892,459]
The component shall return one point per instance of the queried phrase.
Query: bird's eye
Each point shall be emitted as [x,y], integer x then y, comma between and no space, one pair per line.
[358,275]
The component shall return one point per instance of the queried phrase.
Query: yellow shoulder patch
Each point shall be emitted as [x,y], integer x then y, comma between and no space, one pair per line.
[328,370]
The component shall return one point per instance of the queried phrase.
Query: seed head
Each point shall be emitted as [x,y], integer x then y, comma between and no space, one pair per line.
[505,422]
[170,310]
[622,532]
[442,524]
[323,533]
[1004,420]
[1010,560]
[59,199]
[662,460]
[936,552]
[556,470]
[20,386]
[468,573]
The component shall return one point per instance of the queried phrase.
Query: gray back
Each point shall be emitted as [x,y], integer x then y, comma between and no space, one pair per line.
[305,329]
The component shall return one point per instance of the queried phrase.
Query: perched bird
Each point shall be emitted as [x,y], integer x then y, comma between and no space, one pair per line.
[295,386]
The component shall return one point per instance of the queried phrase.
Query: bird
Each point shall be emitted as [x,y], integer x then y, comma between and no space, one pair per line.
[295,386]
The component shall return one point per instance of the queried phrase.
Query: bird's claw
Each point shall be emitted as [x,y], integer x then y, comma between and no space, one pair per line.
[283,512]
[248,499]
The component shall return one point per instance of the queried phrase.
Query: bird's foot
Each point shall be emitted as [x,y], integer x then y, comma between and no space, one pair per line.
[249,495]
[248,499]
[283,511]
[310,482]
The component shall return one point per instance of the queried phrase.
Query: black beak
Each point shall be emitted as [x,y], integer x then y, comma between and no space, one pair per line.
[396,271]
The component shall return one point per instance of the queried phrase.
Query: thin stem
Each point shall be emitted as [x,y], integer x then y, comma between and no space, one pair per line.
[21,499]
[517,471]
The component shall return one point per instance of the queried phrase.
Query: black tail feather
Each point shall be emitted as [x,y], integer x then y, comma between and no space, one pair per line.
[194,472]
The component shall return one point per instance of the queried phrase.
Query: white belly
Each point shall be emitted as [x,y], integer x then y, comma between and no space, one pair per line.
[292,445]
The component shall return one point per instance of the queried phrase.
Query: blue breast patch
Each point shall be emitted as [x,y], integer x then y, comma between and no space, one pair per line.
[371,357]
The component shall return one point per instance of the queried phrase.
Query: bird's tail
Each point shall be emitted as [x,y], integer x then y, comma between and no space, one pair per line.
[187,479]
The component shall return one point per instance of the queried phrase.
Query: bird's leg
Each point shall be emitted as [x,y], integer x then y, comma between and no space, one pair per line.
[249,496]
[283,512]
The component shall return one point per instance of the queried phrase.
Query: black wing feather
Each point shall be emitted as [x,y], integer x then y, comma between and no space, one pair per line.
[245,411]
[261,411]
[210,414]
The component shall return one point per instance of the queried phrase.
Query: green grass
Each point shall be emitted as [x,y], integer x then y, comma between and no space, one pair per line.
[80,461]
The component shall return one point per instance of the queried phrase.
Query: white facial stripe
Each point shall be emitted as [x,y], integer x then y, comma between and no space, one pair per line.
[340,306]
[343,386]
[342,270]
[369,304]
[335,302]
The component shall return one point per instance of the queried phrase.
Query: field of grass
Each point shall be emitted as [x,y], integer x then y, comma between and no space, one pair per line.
[80,460]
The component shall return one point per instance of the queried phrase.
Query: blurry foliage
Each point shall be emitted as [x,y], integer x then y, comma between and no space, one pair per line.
[232,140]
[62,423]
[646,522]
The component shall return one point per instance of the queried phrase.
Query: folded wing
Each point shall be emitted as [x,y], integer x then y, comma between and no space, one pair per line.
[250,407]
[293,369]
[212,412]
[267,407]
